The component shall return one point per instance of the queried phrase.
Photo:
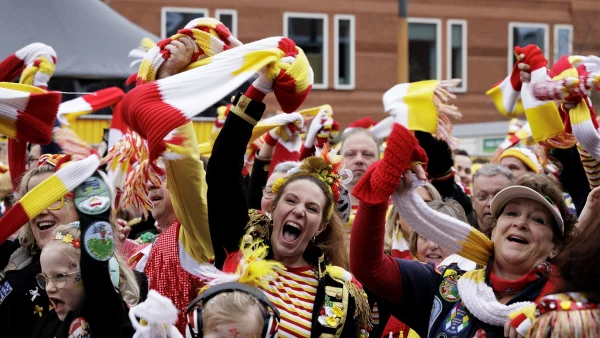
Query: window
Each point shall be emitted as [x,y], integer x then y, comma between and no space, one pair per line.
[523,34]
[456,58]
[229,18]
[344,49]
[424,49]
[173,19]
[309,31]
[563,41]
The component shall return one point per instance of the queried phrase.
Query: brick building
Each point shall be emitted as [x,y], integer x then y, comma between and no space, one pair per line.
[352,47]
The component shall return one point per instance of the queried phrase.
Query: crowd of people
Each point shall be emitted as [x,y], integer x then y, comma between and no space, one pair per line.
[285,225]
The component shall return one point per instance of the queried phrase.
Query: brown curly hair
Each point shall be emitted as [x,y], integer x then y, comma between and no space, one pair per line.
[545,186]
[332,240]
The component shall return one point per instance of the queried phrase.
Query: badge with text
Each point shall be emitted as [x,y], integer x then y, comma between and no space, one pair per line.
[5,289]
[99,241]
[92,197]
[79,328]
[457,320]
[448,289]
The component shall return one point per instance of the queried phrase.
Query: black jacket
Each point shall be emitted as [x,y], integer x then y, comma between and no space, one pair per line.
[228,214]
[22,302]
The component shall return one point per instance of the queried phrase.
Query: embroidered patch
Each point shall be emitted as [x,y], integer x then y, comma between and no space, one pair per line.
[448,289]
[441,335]
[79,328]
[435,311]
[92,197]
[99,242]
[5,289]
[457,320]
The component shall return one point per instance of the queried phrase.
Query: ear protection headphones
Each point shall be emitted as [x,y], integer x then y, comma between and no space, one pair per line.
[194,310]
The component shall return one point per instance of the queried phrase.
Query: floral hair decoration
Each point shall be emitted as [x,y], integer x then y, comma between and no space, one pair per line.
[68,239]
[327,166]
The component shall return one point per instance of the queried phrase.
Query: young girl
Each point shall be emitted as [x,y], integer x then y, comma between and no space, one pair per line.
[89,286]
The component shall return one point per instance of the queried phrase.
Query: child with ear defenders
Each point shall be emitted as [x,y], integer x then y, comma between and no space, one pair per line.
[89,287]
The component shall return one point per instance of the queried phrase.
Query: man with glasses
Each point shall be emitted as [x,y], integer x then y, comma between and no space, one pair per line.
[487,182]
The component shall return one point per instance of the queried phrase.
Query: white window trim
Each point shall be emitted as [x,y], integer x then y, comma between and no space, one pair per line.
[324,17]
[449,23]
[438,44]
[163,16]
[336,28]
[511,48]
[556,29]
[233,14]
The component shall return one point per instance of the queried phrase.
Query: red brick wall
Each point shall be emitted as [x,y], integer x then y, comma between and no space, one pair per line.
[376,34]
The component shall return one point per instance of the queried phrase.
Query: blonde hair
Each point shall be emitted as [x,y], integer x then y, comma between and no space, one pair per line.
[128,284]
[26,238]
[448,207]
[230,308]
[390,221]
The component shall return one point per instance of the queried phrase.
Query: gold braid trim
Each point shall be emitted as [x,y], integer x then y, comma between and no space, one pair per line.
[258,227]
[362,315]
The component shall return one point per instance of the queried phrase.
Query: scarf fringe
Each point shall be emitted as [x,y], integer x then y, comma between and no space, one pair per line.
[557,324]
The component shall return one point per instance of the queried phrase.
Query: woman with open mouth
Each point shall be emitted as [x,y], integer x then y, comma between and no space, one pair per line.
[532,224]
[314,293]
[20,259]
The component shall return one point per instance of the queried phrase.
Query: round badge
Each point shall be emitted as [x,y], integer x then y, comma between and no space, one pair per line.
[449,290]
[99,241]
[92,197]
[79,328]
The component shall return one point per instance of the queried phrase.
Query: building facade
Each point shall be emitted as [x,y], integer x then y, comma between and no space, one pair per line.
[352,44]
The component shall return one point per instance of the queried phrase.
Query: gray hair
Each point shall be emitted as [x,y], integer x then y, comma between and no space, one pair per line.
[488,170]
[284,167]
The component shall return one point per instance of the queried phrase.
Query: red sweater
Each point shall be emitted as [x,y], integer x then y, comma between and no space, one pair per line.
[376,270]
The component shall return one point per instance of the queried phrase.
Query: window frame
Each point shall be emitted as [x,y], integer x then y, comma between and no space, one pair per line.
[511,47]
[165,9]
[438,43]
[325,18]
[233,13]
[555,39]
[336,51]
[449,23]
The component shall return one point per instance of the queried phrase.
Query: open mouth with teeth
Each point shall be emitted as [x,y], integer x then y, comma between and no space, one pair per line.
[517,239]
[58,304]
[46,225]
[291,232]
[434,257]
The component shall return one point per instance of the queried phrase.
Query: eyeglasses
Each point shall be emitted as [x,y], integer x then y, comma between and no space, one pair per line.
[60,280]
[267,193]
[60,203]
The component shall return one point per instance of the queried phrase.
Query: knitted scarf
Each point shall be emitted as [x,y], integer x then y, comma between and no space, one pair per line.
[153,110]
[29,117]
[511,97]
[69,111]
[573,79]
[423,106]
[35,62]
[44,194]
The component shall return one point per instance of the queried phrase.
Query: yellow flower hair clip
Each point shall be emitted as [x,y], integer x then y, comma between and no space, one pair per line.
[68,239]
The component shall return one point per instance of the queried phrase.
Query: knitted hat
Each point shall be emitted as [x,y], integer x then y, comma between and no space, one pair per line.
[69,111]
[38,199]
[421,105]
[155,109]
[526,156]
[35,61]
[366,123]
